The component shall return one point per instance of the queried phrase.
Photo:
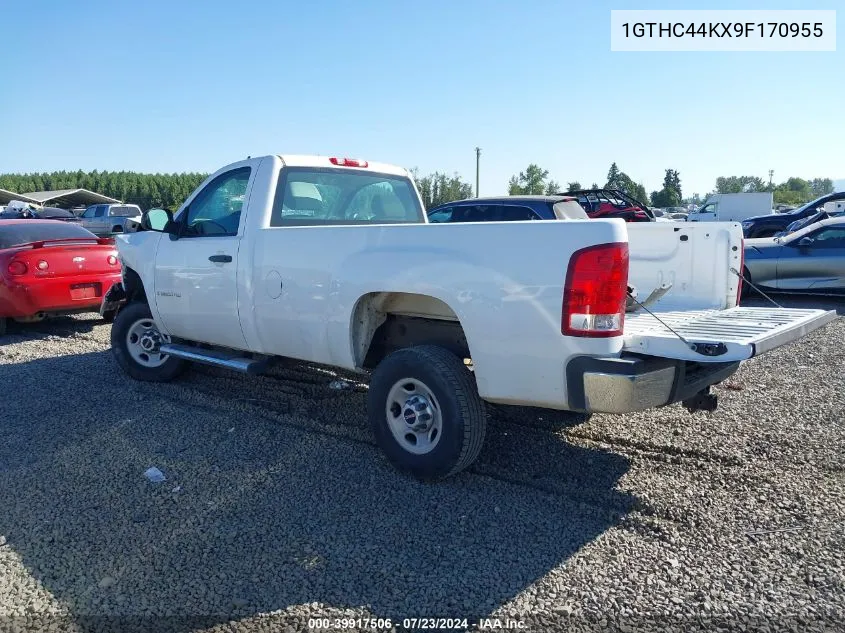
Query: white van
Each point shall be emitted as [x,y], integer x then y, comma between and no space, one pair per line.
[732,207]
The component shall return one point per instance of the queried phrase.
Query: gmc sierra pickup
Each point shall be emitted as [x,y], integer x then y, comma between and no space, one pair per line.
[332,261]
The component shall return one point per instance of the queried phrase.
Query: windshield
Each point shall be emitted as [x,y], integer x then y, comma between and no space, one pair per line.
[29,232]
[124,212]
[810,205]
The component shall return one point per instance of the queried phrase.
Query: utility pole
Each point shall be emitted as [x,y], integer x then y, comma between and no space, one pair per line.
[771,173]
[477,167]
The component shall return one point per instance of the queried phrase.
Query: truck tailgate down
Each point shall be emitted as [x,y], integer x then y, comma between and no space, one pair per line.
[742,332]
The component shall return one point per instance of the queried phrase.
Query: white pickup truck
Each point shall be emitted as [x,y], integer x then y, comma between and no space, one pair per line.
[332,261]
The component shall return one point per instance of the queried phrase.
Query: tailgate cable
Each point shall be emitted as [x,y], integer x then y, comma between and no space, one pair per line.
[683,340]
[737,273]
[705,349]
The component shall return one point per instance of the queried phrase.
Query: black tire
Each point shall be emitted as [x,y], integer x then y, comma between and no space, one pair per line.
[108,317]
[125,319]
[461,410]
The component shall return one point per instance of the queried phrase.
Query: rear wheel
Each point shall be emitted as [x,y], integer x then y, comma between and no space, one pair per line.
[136,344]
[426,413]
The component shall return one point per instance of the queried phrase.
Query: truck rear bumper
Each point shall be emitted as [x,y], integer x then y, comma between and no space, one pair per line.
[635,383]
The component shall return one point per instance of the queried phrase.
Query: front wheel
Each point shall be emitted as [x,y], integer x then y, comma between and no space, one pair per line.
[426,413]
[136,344]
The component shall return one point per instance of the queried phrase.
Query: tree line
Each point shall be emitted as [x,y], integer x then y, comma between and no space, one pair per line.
[169,191]
[793,191]
[148,191]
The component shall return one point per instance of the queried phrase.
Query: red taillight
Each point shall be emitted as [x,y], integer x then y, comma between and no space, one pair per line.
[741,270]
[112,260]
[348,162]
[595,289]
[17,267]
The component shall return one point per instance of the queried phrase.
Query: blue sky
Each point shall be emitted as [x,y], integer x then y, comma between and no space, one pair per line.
[169,86]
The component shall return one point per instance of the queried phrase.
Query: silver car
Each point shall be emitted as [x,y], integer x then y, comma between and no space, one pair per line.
[810,260]
[107,219]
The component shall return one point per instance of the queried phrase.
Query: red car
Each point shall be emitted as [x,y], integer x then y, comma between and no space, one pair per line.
[49,267]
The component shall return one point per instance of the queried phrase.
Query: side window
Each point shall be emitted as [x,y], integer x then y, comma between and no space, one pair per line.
[89,212]
[216,211]
[101,210]
[708,208]
[441,215]
[474,213]
[829,238]
[513,213]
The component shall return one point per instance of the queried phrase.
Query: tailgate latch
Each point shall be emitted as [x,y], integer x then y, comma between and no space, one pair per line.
[709,349]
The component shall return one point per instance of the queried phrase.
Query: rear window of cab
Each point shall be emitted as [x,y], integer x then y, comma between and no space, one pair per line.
[314,196]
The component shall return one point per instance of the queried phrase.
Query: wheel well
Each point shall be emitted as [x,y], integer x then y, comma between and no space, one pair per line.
[133,286]
[384,322]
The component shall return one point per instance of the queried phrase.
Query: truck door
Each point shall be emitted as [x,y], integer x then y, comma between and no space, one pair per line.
[707,213]
[814,262]
[196,282]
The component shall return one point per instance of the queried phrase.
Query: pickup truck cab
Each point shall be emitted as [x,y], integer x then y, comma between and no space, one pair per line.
[332,261]
[105,220]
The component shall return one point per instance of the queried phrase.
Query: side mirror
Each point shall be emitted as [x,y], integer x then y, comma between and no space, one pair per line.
[159,220]
[804,242]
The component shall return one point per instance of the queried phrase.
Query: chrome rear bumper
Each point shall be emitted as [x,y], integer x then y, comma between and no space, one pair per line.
[636,383]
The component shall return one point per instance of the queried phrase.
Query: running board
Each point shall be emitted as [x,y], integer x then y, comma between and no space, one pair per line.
[217,358]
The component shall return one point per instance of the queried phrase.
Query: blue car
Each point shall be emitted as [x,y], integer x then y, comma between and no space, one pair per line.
[773,223]
[508,208]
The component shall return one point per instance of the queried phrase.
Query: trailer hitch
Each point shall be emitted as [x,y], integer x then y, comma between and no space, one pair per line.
[702,401]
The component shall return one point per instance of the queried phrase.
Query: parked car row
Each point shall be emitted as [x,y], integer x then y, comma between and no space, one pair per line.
[37,213]
[100,219]
[771,224]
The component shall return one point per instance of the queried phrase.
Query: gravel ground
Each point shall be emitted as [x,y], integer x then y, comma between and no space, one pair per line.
[278,507]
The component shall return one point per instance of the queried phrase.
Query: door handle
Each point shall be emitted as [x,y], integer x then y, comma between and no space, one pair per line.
[220,258]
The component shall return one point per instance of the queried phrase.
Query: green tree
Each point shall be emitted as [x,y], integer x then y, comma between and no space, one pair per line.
[438,188]
[821,187]
[670,195]
[740,184]
[552,188]
[532,181]
[573,186]
[615,178]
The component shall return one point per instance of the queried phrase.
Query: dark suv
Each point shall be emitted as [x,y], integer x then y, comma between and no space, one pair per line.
[508,208]
[773,223]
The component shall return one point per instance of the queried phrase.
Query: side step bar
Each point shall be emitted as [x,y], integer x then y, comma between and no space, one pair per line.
[217,358]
